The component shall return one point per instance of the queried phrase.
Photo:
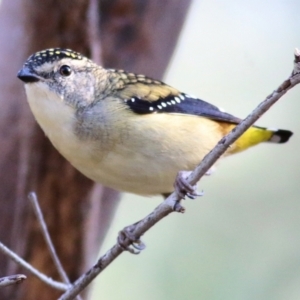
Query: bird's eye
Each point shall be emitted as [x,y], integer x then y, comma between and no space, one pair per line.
[65,70]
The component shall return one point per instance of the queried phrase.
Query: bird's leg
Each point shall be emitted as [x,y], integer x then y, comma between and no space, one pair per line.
[129,242]
[184,188]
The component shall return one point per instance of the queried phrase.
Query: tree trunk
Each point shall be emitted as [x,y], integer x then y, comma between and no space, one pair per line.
[139,36]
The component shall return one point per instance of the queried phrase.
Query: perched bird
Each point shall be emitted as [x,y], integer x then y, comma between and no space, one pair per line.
[123,130]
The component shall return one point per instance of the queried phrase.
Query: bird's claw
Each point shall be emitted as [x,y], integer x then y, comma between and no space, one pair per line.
[194,196]
[128,242]
[184,188]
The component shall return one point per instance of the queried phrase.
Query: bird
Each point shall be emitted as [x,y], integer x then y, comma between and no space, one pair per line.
[127,131]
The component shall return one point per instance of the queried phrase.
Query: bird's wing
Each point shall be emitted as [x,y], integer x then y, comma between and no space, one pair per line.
[181,104]
[144,95]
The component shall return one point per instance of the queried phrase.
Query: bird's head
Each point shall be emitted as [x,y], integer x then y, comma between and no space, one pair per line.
[70,76]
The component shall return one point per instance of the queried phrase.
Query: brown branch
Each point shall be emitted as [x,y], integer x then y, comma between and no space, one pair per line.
[172,202]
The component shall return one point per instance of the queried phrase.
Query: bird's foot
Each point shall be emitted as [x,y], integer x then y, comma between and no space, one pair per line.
[184,188]
[129,242]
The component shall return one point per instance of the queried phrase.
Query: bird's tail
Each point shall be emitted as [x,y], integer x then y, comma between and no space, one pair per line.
[255,135]
[279,136]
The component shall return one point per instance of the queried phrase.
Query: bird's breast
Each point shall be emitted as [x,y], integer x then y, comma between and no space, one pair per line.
[56,118]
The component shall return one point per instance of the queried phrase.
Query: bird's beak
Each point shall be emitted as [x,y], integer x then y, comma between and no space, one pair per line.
[26,75]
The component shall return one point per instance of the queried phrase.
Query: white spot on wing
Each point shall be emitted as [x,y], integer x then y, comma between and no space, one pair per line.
[221,109]
[191,96]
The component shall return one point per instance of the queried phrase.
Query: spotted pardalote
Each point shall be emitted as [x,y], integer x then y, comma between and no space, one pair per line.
[123,130]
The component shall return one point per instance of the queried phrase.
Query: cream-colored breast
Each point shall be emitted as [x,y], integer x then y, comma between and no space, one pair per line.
[56,119]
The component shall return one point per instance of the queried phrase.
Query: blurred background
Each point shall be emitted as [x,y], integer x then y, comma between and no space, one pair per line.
[242,239]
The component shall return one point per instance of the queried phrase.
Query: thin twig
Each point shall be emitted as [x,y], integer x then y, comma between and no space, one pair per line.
[21,262]
[39,215]
[37,210]
[170,204]
[10,280]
